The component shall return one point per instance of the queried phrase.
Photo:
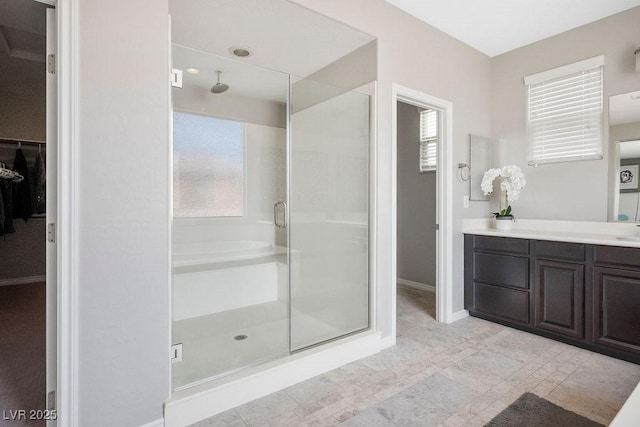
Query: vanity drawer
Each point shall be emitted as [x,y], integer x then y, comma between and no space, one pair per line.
[508,304]
[559,250]
[616,255]
[501,270]
[501,244]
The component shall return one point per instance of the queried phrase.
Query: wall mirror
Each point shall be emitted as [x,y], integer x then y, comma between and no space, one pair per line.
[479,162]
[624,136]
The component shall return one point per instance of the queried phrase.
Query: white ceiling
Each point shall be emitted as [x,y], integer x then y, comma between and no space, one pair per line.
[243,79]
[498,26]
[283,36]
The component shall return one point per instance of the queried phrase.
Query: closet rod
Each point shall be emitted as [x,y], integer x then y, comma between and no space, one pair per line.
[25,145]
[22,141]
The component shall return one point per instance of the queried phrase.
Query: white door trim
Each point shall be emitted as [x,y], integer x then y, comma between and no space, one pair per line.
[51,276]
[67,67]
[444,299]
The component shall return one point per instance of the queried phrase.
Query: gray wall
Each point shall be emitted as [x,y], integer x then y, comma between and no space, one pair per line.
[22,254]
[346,73]
[123,216]
[23,106]
[406,51]
[563,191]
[123,198]
[190,99]
[624,132]
[416,204]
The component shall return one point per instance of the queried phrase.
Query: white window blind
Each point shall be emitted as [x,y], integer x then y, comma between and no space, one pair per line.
[565,113]
[428,140]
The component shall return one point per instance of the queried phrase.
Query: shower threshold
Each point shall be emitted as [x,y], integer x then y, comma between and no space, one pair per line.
[203,400]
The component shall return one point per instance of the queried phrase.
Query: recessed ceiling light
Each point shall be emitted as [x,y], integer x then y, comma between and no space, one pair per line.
[192,70]
[242,52]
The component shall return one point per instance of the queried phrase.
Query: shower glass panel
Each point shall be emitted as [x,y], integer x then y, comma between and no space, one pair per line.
[230,275]
[329,213]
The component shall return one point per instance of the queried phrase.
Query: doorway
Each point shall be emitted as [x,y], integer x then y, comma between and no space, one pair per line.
[417,135]
[444,205]
[25,160]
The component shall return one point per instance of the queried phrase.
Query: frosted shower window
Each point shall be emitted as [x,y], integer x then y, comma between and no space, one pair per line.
[208,166]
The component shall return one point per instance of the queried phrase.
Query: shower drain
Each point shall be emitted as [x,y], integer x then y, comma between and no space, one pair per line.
[240,337]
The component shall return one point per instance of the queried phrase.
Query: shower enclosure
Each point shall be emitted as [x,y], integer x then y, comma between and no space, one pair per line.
[270,213]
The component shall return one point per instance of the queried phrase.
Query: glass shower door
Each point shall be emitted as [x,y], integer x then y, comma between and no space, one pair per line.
[329,213]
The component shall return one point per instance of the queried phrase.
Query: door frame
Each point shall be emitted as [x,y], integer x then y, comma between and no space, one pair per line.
[67,71]
[444,203]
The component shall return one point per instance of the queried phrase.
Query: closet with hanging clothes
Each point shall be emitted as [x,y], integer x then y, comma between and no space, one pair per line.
[22,210]
[22,275]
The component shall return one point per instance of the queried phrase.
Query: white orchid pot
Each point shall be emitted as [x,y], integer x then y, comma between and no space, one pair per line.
[504,223]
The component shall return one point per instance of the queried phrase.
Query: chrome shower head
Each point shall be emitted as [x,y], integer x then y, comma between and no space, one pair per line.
[219,87]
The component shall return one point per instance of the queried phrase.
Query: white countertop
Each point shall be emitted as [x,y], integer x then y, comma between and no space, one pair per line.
[595,233]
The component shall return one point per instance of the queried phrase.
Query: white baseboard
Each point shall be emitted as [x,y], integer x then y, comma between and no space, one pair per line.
[459,315]
[387,342]
[156,423]
[197,403]
[22,280]
[416,285]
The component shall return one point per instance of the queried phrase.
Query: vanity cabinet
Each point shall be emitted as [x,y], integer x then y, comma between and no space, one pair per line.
[559,297]
[616,289]
[586,295]
[559,286]
[498,278]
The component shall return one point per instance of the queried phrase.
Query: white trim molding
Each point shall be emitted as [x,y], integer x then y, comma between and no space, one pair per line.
[156,423]
[458,315]
[596,61]
[67,64]
[387,342]
[416,285]
[444,239]
[196,403]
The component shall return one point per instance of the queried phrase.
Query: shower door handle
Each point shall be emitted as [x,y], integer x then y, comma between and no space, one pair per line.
[280,210]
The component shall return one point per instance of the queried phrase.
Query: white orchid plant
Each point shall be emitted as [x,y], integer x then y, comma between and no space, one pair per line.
[511,183]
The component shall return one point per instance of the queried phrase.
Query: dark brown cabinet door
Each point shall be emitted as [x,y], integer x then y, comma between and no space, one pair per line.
[617,308]
[559,297]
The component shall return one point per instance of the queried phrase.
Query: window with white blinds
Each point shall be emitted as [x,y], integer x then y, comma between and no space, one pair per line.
[428,140]
[565,113]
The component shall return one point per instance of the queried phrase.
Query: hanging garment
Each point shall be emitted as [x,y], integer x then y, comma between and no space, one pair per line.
[6,187]
[22,190]
[39,178]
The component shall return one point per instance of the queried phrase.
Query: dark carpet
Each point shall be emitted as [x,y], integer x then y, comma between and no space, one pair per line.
[533,411]
[22,351]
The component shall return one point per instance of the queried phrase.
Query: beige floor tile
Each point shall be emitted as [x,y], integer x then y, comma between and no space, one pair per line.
[490,364]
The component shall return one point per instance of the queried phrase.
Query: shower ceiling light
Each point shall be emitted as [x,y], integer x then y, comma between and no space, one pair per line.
[242,52]
[192,70]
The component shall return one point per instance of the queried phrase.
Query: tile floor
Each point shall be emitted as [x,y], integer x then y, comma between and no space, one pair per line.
[461,374]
